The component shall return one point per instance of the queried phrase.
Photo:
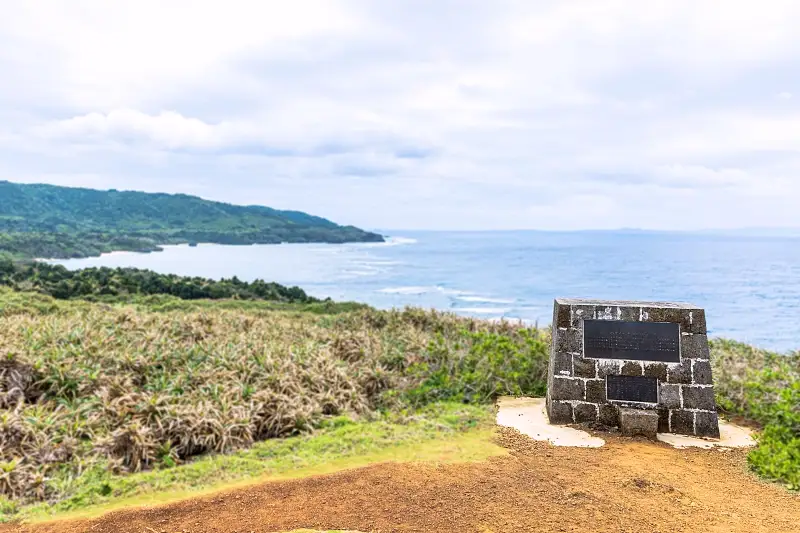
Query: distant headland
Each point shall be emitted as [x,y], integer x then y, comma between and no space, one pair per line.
[38,220]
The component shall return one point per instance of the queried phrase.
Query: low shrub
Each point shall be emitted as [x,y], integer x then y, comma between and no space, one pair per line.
[493,364]
[764,387]
[778,454]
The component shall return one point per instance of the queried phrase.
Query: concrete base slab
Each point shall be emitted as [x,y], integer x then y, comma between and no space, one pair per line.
[529,417]
[730,436]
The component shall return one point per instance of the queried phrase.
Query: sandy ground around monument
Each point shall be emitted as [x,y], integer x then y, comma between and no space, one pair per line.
[627,485]
[529,417]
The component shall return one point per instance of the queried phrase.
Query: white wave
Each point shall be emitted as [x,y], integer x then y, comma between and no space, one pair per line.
[390,241]
[376,263]
[453,292]
[423,290]
[360,272]
[365,266]
[407,290]
[483,310]
[401,240]
[482,299]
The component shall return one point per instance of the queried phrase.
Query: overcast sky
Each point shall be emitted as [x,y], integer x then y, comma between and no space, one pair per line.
[421,114]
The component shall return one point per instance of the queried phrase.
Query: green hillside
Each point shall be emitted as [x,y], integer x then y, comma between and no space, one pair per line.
[104,400]
[50,221]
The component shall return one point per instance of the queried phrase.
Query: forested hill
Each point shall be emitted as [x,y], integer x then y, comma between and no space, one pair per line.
[50,221]
[116,284]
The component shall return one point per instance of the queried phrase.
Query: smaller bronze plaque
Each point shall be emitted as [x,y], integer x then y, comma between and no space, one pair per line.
[638,341]
[632,389]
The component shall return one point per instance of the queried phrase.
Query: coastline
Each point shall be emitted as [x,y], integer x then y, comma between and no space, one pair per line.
[194,244]
[509,276]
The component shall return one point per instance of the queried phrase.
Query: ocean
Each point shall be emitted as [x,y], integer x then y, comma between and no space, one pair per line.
[749,285]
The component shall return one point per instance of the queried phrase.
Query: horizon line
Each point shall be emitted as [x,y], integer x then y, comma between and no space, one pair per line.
[593,230]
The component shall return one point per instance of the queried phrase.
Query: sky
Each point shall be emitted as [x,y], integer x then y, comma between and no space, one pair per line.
[416,114]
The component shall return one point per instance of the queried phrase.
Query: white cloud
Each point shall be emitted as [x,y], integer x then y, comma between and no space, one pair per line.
[513,114]
[168,130]
[117,54]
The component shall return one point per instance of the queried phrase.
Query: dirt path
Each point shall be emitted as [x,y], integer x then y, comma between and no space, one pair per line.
[625,486]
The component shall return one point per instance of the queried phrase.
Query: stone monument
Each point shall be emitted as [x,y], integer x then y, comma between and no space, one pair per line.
[642,366]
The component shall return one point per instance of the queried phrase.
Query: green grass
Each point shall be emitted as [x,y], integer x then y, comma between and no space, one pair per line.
[441,432]
[162,303]
[16,302]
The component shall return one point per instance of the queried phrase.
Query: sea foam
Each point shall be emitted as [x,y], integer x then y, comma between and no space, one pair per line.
[415,290]
[390,241]
[483,299]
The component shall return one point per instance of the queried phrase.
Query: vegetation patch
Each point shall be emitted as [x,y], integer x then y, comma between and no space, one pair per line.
[85,386]
[126,284]
[441,432]
[764,387]
[115,400]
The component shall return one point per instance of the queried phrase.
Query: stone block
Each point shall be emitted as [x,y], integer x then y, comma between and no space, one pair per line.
[584,368]
[691,320]
[606,312]
[560,412]
[663,420]
[656,370]
[669,395]
[567,389]
[561,316]
[585,412]
[569,340]
[634,422]
[579,313]
[631,368]
[707,424]
[608,367]
[681,373]
[562,364]
[629,313]
[701,373]
[616,312]
[697,322]
[608,414]
[596,391]
[665,314]
[698,398]
[682,422]
[694,346]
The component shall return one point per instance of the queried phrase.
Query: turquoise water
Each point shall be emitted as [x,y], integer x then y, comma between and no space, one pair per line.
[749,286]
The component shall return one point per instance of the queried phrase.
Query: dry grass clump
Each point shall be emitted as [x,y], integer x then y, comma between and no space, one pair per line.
[138,388]
[28,452]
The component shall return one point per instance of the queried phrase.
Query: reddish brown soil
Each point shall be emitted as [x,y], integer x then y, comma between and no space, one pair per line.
[625,486]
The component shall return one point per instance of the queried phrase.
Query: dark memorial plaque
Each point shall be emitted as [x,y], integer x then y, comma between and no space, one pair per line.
[632,389]
[638,341]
